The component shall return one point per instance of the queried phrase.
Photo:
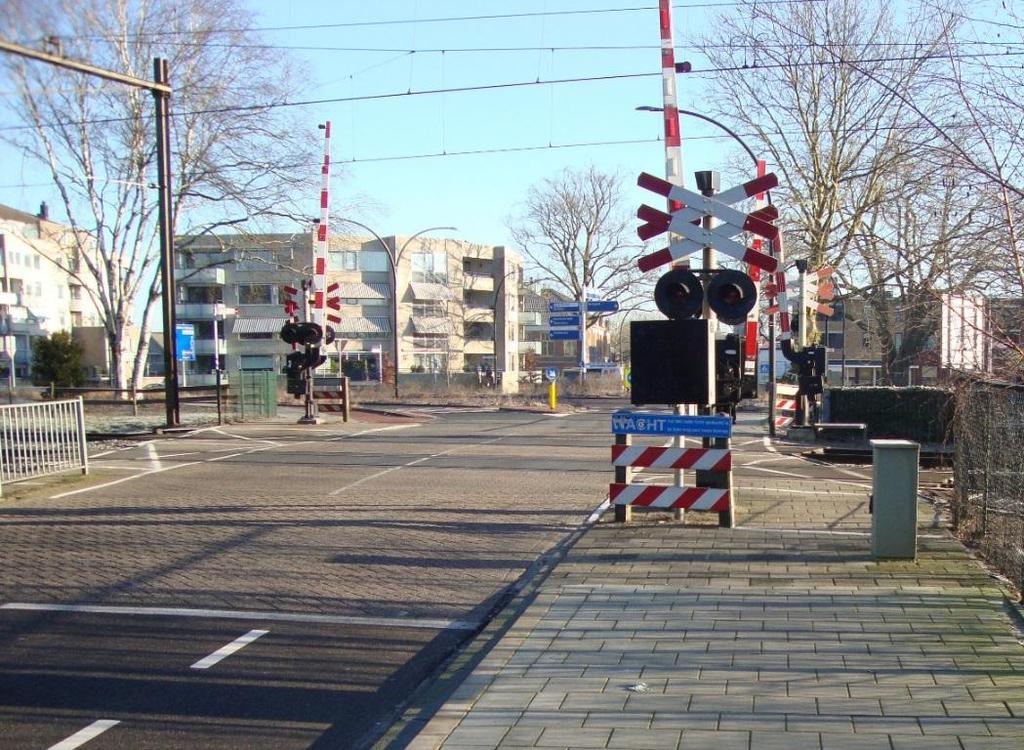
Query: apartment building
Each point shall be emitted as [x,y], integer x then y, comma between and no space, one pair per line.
[37,298]
[457,301]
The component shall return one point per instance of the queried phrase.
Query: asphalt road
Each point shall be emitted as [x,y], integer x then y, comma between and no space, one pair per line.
[277,586]
[353,559]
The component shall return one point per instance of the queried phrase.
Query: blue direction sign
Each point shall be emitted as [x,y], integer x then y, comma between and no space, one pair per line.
[564,334]
[564,320]
[602,305]
[184,338]
[654,423]
[594,305]
[551,374]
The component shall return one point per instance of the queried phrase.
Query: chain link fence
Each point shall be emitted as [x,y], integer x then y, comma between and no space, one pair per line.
[988,503]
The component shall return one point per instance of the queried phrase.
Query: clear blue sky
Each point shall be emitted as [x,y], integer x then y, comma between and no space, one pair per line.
[472,192]
[477,192]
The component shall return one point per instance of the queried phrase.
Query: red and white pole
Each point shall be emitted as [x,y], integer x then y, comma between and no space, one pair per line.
[320,246]
[751,342]
[670,106]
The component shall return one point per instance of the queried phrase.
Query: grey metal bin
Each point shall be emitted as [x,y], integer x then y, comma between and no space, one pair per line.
[894,499]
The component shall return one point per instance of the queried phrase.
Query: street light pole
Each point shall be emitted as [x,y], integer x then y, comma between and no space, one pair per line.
[393,259]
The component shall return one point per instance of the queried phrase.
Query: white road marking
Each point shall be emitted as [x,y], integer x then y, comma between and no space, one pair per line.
[153,456]
[227,614]
[807,478]
[176,455]
[225,433]
[225,651]
[82,736]
[123,479]
[768,444]
[598,512]
[555,415]
[415,462]
[375,429]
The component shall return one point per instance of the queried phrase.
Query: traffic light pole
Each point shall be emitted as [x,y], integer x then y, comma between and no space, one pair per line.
[310,416]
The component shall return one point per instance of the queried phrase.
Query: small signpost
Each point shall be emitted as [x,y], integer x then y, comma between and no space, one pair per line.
[551,374]
[712,464]
[564,334]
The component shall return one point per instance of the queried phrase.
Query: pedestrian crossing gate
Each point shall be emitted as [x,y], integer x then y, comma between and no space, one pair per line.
[786,401]
[336,399]
[711,464]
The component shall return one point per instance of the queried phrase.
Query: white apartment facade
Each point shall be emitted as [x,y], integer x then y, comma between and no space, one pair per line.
[37,298]
[457,303]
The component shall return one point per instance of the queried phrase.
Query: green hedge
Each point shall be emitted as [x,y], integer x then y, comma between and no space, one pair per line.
[917,413]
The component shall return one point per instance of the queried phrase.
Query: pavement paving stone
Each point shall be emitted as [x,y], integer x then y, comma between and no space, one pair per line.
[777,634]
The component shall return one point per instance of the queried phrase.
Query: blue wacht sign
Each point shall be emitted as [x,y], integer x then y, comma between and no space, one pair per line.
[655,423]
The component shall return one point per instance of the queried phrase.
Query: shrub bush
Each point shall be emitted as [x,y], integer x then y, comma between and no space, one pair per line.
[917,413]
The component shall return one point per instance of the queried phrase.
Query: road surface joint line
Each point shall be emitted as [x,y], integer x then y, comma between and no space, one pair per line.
[227,614]
[225,651]
[82,736]
[416,462]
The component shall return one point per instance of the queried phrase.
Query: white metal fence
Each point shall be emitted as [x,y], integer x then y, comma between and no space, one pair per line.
[40,439]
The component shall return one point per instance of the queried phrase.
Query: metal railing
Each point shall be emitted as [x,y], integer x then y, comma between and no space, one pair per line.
[42,438]
[988,505]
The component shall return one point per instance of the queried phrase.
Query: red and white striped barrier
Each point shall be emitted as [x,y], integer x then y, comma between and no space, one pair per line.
[705,459]
[333,401]
[785,404]
[657,496]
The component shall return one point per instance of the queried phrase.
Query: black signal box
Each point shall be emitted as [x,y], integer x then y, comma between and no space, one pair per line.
[673,362]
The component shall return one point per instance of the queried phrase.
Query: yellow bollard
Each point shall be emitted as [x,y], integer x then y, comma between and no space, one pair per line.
[553,396]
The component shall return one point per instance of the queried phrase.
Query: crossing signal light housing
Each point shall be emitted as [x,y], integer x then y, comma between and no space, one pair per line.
[731,295]
[679,294]
[302,333]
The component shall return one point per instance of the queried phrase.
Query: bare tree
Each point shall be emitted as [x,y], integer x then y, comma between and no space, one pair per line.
[236,158]
[837,136]
[576,235]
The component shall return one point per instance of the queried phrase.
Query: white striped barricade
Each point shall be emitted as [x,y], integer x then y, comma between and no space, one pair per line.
[335,400]
[786,397]
[712,464]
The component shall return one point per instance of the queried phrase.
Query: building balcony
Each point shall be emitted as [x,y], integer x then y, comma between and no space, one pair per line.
[200,276]
[10,298]
[478,283]
[478,346]
[479,315]
[206,346]
[200,310]
[76,305]
[530,319]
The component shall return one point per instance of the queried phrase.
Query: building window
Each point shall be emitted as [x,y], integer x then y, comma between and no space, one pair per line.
[204,295]
[76,319]
[835,340]
[374,261]
[432,309]
[430,267]
[255,336]
[430,363]
[343,260]
[255,294]
[252,362]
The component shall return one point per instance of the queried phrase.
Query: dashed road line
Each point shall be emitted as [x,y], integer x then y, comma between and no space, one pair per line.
[82,736]
[225,651]
[419,623]
[377,475]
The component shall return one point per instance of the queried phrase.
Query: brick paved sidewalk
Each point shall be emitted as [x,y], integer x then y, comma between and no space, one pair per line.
[656,636]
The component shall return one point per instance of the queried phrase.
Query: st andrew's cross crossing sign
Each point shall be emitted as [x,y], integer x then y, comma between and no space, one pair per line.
[657,423]
[687,220]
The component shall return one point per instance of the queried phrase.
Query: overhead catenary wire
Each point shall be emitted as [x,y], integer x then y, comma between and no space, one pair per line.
[752,67]
[442,19]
